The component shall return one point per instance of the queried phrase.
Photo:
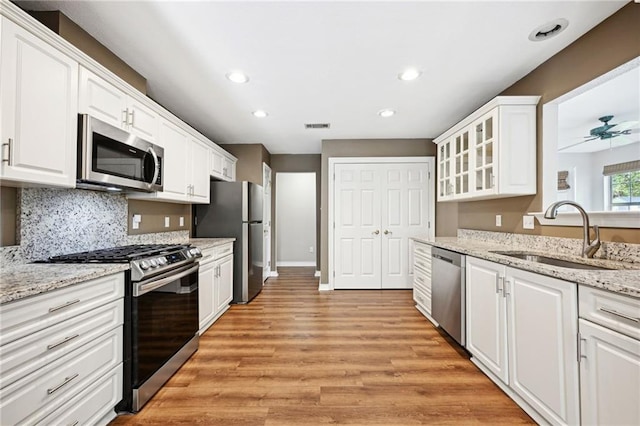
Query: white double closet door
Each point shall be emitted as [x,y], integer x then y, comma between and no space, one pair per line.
[377,209]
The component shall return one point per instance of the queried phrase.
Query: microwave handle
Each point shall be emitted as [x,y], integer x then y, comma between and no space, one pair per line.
[156,165]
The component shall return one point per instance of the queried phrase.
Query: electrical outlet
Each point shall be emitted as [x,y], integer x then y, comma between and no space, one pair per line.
[167,221]
[181,220]
[498,220]
[135,225]
[528,222]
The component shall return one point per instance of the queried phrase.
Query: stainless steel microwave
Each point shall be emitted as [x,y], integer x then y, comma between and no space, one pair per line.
[111,158]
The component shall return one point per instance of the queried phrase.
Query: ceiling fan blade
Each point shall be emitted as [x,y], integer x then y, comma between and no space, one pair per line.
[625,125]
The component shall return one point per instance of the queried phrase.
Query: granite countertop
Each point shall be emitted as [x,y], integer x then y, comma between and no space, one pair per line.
[29,279]
[625,279]
[206,243]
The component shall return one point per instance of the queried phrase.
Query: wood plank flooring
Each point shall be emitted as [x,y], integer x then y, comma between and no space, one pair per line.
[296,356]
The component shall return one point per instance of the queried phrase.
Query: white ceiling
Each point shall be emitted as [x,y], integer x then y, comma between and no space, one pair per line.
[327,61]
[618,96]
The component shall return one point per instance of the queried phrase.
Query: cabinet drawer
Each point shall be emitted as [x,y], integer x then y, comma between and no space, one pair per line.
[23,317]
[423,264]
[422,299]
[422,282]
[222,251]
[23,356]
[30,399]
[92,404]
[614,311]
[208,256]
[423,250]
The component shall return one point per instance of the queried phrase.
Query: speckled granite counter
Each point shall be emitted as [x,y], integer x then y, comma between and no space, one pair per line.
[206,243]
[29,279]
[625,279]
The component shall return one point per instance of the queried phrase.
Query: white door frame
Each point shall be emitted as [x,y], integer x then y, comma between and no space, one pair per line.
[429,161]
[267,174]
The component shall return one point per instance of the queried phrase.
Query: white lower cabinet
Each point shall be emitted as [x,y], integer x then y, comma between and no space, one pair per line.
[61,355]
[609,358]
[422,278]
[215,284]
[521,329]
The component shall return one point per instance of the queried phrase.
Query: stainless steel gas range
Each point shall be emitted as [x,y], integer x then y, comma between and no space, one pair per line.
[161,313]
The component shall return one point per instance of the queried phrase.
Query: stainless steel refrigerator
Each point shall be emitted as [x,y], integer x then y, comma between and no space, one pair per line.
[235,210]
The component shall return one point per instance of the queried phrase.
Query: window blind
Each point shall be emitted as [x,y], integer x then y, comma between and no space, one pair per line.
[616,169]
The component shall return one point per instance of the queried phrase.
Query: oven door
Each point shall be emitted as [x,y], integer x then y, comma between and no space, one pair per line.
[164,316]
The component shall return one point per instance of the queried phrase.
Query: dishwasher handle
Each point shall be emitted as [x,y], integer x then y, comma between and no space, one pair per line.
[446,259]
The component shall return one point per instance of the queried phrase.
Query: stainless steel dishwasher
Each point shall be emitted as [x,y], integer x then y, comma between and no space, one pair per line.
[448,292]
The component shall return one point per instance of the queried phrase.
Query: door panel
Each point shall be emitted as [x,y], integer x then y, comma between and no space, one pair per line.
[357,221]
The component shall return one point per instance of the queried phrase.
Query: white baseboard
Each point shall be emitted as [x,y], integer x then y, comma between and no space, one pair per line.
[295,263]
[324,287]
[317,274]
[274,274]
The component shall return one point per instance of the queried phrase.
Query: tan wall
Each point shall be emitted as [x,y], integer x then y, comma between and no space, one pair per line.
[153,214]
[295,163]
[8,214]
[361,148]
[612,43]
[59,23]
[250,158]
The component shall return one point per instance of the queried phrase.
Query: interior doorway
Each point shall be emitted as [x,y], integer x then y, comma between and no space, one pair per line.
[296,219]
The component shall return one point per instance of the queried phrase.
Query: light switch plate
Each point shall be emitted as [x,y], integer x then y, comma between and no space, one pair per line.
[498,220]
[137,218]
[528,222]
[135,225]
[181,220]
[167,221]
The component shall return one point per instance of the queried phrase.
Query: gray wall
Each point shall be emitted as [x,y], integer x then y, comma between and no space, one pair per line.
[364,148]
[296,207]
[295,163]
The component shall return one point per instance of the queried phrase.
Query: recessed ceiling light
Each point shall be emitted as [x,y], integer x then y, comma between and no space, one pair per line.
[259,113]
[386,113]
[549,30]
[238,77]
[409,74]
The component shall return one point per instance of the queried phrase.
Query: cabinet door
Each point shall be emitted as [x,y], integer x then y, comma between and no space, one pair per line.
[609,377]
[445,183]
[224,283]
[542,326]
[143,121]
[228,169]
[176,148]
[39,104]
[403,214]
[461,158]
[216,164]
[102,100]
[486,315]
[199,167]
[357,248]
[206,308]
[484,147]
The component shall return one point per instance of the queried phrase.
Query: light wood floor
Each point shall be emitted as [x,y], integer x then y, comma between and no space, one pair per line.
[295,356]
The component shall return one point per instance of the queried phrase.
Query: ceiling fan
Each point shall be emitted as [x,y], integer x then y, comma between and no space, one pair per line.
[609,131]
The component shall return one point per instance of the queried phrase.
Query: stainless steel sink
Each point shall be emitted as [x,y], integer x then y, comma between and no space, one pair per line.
[550,260]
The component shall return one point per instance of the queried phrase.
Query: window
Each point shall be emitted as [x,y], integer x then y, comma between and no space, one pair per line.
[624,191]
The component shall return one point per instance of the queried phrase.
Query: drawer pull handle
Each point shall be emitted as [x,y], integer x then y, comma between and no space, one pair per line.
[64,305]
[419,278]
[612,312]
[66,381]
[74,423]
[62,342]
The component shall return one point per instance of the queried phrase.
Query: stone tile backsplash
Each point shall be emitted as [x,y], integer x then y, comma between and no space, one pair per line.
[60,221]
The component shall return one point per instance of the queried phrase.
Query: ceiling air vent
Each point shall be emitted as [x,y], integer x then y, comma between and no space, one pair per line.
[549,30]
[317,126]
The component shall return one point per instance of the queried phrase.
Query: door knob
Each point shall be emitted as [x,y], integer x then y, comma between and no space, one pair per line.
[376,232]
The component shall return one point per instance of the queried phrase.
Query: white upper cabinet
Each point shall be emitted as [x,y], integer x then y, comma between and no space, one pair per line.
[223,166]
[39,104]
[199,172]
[491,153]
[106,102]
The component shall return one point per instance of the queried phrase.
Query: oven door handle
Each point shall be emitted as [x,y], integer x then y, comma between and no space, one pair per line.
[141,289]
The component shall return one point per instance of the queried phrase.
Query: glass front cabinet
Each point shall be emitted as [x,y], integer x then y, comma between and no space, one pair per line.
[490,154]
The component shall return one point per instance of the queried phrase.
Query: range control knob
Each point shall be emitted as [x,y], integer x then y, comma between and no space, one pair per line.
[194,251]
[154,263]
[162,260]
[144,265]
